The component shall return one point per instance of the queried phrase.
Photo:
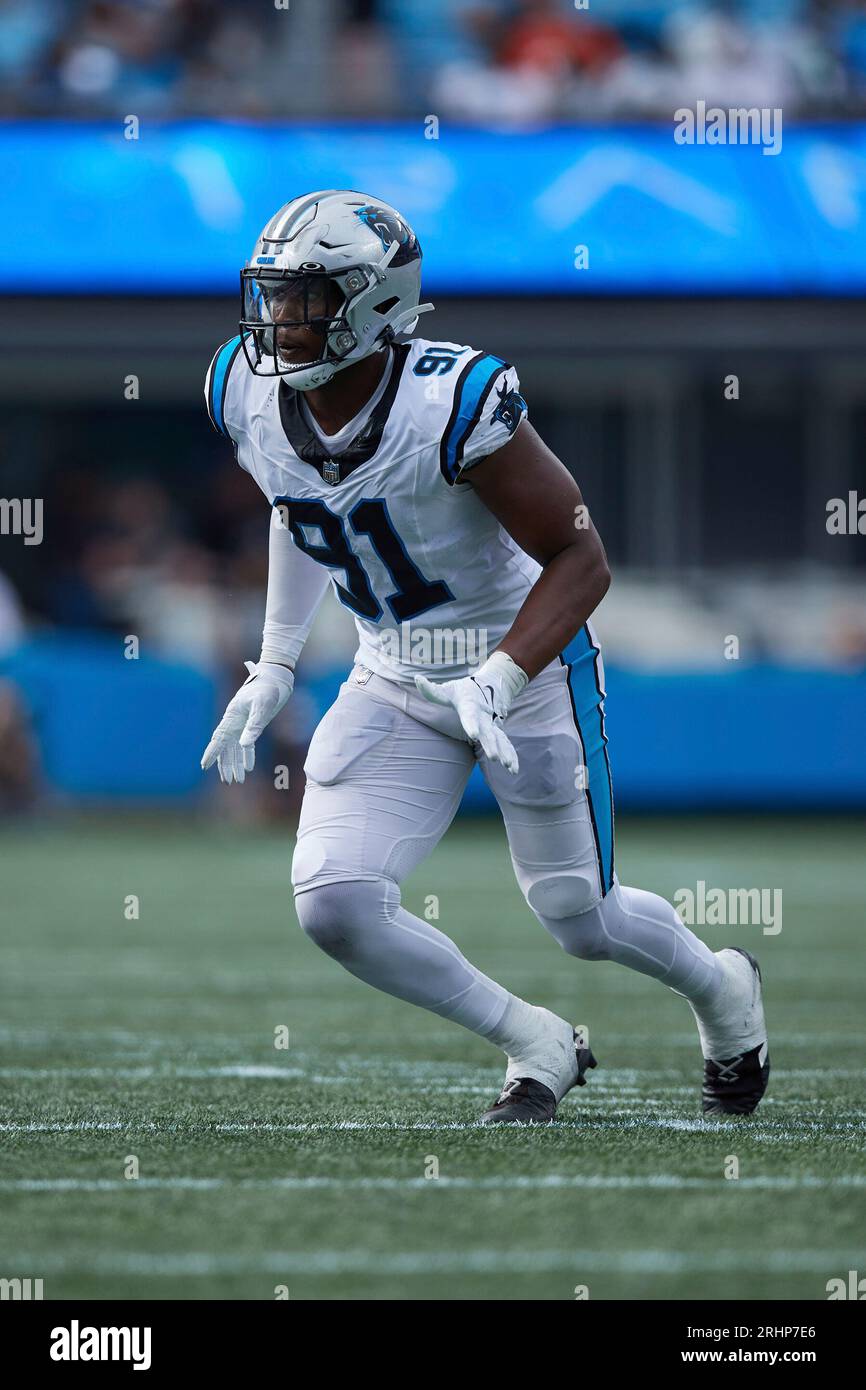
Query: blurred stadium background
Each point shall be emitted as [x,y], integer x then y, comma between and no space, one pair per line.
[142,146]
[511,134]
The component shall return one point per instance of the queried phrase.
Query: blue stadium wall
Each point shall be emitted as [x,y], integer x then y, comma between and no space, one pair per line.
[497,213]
[751,737]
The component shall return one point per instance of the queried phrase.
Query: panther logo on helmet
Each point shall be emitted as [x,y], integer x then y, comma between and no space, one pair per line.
[388,228]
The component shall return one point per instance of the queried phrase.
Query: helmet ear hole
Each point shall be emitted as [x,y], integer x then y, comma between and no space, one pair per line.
[386,304]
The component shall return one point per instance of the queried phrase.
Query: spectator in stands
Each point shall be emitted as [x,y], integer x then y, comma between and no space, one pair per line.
[130,56]
[528,57]
[504,62]
[28,29]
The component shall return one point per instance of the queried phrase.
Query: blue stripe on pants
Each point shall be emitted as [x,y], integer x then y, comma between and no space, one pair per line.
[587,703]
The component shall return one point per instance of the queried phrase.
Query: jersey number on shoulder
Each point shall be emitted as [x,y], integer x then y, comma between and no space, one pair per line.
[413,594]
[437,362]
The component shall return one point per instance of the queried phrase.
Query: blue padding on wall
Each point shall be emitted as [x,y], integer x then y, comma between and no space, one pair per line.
[109,728]
[750,737]
[759,737]
[743,737]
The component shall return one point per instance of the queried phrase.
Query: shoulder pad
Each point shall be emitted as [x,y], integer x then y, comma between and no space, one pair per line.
[482,418]
[217,383]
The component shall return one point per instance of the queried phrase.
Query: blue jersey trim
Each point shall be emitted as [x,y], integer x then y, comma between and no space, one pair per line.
[472,388]
[219,380]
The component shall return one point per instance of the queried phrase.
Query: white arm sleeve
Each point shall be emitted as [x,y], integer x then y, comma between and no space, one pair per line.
[296,587]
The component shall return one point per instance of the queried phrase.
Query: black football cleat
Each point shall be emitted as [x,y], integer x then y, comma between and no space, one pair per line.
[736,1086]
[525,1101]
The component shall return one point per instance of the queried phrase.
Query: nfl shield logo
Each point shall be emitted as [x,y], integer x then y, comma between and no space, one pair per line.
[331,471]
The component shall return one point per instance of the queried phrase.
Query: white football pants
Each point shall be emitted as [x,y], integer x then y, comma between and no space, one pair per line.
[385,774]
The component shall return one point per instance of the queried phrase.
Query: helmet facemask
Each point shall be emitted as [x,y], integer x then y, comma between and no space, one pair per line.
[276,304]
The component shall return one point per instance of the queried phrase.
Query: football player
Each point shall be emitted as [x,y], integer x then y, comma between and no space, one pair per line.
[404,472]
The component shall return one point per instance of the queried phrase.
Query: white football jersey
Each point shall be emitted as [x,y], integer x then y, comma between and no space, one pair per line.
[432,579]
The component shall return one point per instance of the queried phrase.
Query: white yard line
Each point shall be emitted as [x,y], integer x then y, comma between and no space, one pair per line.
[74,1126]
[146,1073]
[576,1264]
[610,1079]
[777,1132]
[151,1044]
[506,1182]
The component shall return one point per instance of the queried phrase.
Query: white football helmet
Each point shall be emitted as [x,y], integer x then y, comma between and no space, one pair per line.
[341,262]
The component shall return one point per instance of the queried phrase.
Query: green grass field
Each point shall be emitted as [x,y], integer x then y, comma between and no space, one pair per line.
[305,1167]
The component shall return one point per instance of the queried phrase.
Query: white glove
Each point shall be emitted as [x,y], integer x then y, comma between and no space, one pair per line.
[482,701]
[261,696]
